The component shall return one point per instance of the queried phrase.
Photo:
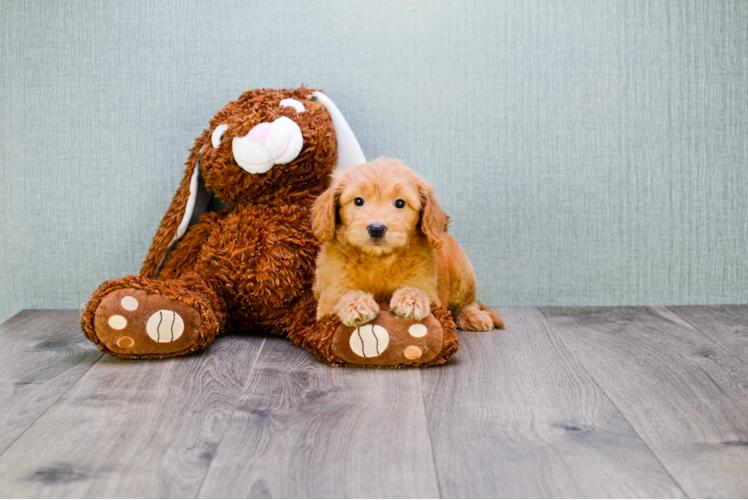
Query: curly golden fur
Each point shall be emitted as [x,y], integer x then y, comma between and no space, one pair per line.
[412,263]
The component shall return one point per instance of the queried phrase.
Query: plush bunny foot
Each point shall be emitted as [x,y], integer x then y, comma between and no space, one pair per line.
[130,322]
[391,341]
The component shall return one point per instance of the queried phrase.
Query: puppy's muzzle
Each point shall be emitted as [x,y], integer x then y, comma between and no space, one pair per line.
[376,230]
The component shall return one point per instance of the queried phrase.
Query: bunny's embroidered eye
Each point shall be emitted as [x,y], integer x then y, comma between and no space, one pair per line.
[293,103]
[399,203]
[359,202]
[217,136]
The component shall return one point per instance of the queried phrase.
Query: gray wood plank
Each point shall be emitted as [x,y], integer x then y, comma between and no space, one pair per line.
[304,429]
[42,354]
[515,415]
[145,428]
[683,393]
[725,325]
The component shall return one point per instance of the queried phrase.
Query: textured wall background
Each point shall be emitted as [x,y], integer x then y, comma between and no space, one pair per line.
[590,153]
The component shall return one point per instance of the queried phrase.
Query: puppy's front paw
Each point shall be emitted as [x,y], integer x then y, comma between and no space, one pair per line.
[356,308]
[410,304]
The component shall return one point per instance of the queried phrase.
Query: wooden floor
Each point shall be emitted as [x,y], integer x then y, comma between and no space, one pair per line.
[612,402]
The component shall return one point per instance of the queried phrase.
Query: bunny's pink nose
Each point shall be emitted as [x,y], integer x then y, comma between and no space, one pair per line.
[260,133]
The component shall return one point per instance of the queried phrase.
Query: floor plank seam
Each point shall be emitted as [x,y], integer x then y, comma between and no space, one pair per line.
[431,441]
[710,339]
[52,405]
[612,401]
[231,417]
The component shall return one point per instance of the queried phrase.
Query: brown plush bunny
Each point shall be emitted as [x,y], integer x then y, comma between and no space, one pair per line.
[268,155]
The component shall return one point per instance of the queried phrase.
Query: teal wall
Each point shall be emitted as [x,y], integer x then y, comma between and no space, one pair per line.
[589,153]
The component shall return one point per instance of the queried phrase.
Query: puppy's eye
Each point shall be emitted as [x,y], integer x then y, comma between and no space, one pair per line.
[399,204]
[217,136]
[359,202]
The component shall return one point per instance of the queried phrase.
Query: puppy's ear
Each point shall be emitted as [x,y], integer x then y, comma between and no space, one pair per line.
[324,213]
[433,219]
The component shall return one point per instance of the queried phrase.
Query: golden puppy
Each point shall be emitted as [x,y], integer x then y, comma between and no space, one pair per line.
[385,239]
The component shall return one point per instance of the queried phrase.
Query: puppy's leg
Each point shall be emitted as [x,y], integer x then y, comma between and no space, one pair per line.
[456,271]
[497,321]
[327,303]
[473,318]
[356,308]
[411,304]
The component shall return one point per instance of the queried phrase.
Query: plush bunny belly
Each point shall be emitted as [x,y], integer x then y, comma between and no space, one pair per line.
[261,259]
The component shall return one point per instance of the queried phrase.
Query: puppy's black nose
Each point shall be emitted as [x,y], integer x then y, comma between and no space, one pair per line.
[376,230]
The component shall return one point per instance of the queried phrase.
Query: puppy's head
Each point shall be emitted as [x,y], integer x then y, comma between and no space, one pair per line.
[378,207]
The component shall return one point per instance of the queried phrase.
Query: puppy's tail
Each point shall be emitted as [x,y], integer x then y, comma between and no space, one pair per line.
[497,321]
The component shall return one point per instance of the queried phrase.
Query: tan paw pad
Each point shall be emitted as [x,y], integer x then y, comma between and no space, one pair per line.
[413,352]
[129,303]
[369,341]
[125,342]
[418,330]
[117,322]
[165,326]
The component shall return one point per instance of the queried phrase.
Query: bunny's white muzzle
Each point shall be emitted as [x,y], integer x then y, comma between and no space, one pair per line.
[268,144]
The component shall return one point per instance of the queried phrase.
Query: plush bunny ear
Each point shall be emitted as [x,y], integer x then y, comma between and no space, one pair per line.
[349,151]
[190,201]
